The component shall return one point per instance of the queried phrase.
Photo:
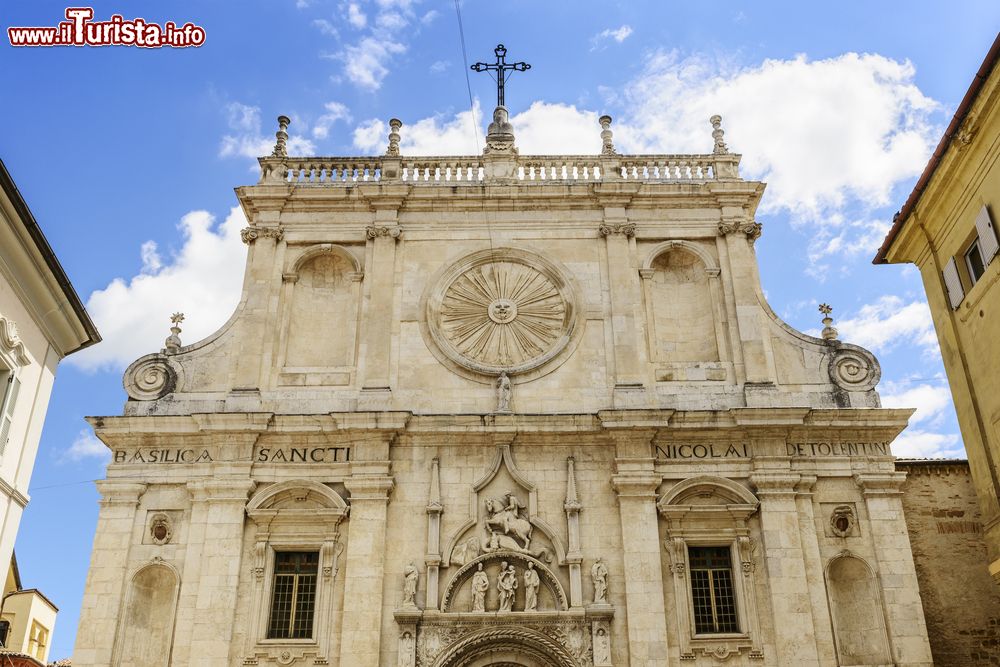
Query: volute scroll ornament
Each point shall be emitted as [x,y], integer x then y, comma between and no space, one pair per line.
[747,226]
[853,368]
[150,377]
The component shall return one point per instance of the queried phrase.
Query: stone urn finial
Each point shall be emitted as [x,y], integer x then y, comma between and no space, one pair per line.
[829,333]
[173,342]
[281,145]
[394,125]
[717,134]
[607,147]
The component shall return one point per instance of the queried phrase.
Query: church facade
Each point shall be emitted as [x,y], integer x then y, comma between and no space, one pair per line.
[498,411]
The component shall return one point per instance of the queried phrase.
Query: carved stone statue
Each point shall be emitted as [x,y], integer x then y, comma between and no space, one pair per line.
[410,576]
[466,551]
[506,585]
[480,584]
[503,392]
[505,516]
[531,583]
[599,575]
[602,648]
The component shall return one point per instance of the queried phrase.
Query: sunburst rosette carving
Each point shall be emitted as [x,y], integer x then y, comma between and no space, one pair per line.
[504,311]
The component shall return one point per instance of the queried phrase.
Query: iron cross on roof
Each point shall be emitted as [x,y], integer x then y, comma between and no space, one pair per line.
[502,68]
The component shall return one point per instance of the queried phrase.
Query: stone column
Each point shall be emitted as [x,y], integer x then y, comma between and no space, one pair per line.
[791,602]
[106,579]
[814,571]
[433,557]
[635,482]
[897,576]
[220,505]
[624,289]
[379,309]
[740,231]
[364,570]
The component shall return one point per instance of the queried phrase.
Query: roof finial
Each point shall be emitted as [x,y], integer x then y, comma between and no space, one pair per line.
[717,134]
[607,147]
[829,333]
[173,342]
[281,145]
[394,125]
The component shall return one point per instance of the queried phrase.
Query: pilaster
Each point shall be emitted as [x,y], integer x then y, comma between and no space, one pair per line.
[635,482]
[364,571]
[106,579]
[219,505]
[814,571]
[380,306]
[791,602]
[897,576]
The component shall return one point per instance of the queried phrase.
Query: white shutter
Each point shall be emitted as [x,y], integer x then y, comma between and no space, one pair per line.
[953,283]
[7,417]
[988,245]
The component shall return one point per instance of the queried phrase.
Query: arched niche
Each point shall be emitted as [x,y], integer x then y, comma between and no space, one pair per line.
[856,612]
[147,623]
[322,296]
[457,595]
[684,307]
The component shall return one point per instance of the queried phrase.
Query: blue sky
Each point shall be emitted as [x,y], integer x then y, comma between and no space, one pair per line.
[128,157]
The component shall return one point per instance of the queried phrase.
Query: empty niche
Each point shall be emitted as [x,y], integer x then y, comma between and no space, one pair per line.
[683,315]
[324,313]
[858,624]
[148,622]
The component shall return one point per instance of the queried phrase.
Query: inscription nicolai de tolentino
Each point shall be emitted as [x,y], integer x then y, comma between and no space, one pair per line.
[163,456]
[302,455]
[837,449]
[702,451]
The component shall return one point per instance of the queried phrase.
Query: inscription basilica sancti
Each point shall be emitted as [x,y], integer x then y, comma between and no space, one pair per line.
[502,410]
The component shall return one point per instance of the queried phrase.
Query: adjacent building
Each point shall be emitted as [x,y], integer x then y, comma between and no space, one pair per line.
[502,410]
[948,228]
[41,321]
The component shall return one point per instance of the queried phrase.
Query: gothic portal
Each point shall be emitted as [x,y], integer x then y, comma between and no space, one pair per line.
[502,410]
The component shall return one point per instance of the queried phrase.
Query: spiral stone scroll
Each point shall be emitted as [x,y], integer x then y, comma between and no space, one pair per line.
[149,378]
[854,369]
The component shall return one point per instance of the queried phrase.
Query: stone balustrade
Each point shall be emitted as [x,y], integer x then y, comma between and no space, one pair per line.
[534,169]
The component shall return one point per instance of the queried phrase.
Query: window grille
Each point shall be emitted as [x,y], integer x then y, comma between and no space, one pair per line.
[712,590]
[293,598]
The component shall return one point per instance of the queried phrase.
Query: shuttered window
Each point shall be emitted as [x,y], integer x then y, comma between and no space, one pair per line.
[987,233]
[11,388]
[953,283]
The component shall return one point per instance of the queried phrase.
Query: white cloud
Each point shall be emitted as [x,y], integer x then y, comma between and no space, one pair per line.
[618,34]
[355,16]
[439,66]
[248,140]
[925,444]
[429,17]
[366,63]
[326,28]
[437,135]
[85,446]
[889,321]
[203,280]
[931,401]
[334,111]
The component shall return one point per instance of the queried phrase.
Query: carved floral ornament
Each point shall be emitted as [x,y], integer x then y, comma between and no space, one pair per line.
[11,343]
[253,232]
[751,228]
[502,311]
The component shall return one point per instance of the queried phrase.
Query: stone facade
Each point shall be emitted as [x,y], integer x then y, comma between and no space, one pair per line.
[510,411]
[946,534]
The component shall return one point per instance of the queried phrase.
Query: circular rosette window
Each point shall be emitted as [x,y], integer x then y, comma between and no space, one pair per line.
[503,310]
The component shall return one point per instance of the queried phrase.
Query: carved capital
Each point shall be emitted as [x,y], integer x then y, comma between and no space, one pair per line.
[775,485]
[253,232]
[375,231]
[120,493]
[369,488]
[626,228]
[881,484]
[749,227]
[636,485]
[220,490]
